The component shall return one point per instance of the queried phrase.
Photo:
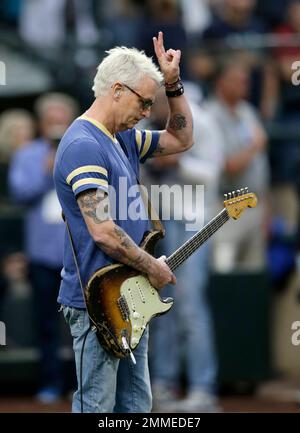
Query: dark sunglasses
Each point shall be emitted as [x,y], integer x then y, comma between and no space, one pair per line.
[146,104]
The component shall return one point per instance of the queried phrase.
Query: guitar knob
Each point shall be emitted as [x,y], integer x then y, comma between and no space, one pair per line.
[136,315]
[136,328]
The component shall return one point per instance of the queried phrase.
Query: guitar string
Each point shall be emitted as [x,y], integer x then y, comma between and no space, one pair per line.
[181,256]
[193,247]
[208,234]
[198,235]
[190,246]
[199,238]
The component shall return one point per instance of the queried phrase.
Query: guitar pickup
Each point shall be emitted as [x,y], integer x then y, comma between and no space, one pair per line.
[122,303]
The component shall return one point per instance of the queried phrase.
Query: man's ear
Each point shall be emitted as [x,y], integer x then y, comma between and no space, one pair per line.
[117,90]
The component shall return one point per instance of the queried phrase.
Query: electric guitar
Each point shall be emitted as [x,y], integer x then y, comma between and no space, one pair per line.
[121,301]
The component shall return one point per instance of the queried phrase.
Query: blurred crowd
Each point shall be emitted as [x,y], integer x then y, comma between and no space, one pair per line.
[238,60]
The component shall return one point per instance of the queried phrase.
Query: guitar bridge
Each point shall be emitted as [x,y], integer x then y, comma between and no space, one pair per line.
[123,308]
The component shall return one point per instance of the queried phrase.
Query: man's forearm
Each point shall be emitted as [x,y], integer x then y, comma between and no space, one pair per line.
[122,248]
[111,238]
[180,123]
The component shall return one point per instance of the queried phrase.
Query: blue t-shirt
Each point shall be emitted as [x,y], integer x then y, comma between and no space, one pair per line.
[89,157]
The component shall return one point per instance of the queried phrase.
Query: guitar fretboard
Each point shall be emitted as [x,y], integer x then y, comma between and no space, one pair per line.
[190,246]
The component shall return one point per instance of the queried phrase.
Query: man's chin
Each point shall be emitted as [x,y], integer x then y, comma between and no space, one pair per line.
[130,124]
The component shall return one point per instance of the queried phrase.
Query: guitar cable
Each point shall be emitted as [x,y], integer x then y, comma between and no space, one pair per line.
[81,368]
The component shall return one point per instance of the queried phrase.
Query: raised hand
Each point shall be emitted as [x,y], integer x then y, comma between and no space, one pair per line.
[168,60]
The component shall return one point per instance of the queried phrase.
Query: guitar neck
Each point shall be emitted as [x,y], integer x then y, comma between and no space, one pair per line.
[190,246]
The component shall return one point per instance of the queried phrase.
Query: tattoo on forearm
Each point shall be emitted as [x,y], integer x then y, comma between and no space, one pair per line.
[177,122]
[142,261]
[95,205]
[125,240]
[115,254]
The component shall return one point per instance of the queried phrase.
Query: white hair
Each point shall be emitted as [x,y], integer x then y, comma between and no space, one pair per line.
[127,65]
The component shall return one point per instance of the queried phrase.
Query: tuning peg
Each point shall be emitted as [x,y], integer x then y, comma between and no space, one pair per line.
[225,196]
[246,190]
[229,195]
[238,192]
[233,193]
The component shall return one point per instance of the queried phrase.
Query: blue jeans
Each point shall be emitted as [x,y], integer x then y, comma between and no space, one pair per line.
[184,336]
[108,384]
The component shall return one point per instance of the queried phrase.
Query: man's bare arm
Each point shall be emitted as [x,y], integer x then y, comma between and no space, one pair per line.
[178,135]
[115,242]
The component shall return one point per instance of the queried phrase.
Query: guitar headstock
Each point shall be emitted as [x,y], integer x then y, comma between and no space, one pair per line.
[237,201]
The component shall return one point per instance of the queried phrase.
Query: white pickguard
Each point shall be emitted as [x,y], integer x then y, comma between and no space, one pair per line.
[143,302]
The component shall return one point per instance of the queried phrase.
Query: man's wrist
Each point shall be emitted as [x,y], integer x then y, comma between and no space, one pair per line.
[175,88]
[172,83]
[151,265]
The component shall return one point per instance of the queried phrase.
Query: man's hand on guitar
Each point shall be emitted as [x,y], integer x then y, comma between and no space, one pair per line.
[161,275]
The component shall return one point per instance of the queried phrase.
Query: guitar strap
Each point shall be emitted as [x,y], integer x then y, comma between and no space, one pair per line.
[74,256]
[154,218]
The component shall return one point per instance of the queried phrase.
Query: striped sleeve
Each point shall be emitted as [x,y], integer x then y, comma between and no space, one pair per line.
[146,143]
[84,167]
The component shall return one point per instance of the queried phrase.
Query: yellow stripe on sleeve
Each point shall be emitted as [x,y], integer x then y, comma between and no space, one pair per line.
[147,143]
[138,139]
[86,169]
[89,180]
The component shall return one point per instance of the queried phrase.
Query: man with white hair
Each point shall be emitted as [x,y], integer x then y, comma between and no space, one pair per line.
[99,149]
